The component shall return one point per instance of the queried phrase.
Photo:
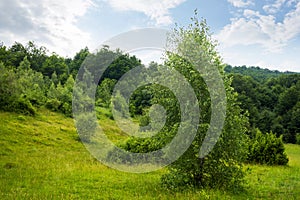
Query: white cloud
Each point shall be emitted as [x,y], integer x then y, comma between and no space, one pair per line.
[255,28]
[241,3]
[157,10]
[292,23]
[278,5]
[241,31]
[51,23]
[275,7]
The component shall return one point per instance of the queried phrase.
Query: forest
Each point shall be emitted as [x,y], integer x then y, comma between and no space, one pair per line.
[31,78]
[262,118]
[271,98]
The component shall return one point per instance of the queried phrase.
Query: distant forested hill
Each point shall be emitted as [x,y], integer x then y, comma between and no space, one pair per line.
[257,73]
[272,99]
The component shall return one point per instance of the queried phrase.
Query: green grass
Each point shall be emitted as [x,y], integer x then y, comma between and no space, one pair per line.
[277,182]
[42,158]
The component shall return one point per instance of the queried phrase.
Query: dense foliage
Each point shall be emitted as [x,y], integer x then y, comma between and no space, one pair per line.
[257,73]
[221,168]
[30,77]
[267,149]
[273,104]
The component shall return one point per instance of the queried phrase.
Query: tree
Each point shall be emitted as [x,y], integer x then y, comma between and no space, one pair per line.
[287,100]
[9,88]
[221,167]
[56,64]
[110,64]
[36,55]
[75,63]
[295,122]
[4,55]
[120,66]
[60,97]
[25,64]
[17,52]
[104,92]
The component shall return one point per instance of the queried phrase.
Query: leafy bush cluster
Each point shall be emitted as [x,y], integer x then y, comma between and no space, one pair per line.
[21,89]
[29,78]
[267,149]
[59,98]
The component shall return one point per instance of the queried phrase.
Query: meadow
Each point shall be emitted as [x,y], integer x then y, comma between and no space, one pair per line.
[43,158]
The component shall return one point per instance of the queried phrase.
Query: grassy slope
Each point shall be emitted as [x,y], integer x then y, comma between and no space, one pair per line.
[41,158]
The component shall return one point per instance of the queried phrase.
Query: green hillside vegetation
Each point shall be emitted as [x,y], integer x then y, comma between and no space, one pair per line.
[272,104]
[42,158]
[257,73]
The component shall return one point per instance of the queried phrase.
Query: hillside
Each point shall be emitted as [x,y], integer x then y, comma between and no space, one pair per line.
[42,158]
[271,98]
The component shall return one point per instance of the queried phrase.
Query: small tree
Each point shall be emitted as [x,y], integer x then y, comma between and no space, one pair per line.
[221,168]
[60,97]
[104,91]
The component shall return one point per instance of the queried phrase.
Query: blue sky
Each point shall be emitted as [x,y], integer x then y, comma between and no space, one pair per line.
[262,33]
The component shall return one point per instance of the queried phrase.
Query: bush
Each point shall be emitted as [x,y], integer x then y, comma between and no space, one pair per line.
[67,109]
[140,145]
[53,104]
[267,149]
[23,105]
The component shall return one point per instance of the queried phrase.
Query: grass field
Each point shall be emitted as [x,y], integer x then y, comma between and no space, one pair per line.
[42,158]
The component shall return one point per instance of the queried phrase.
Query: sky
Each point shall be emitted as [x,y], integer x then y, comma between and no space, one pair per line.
[263,33]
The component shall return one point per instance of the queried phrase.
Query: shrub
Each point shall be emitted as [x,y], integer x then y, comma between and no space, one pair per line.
[67,109]
[267,149]
[23,105]
[53,104]
[140,145]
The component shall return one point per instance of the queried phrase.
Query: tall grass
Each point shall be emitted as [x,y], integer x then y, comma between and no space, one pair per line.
[42,158]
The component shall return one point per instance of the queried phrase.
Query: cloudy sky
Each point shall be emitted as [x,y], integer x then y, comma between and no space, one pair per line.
[262,33]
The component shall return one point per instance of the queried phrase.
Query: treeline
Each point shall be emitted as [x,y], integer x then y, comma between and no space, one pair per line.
[257,73]
[272,99]
[30,77]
